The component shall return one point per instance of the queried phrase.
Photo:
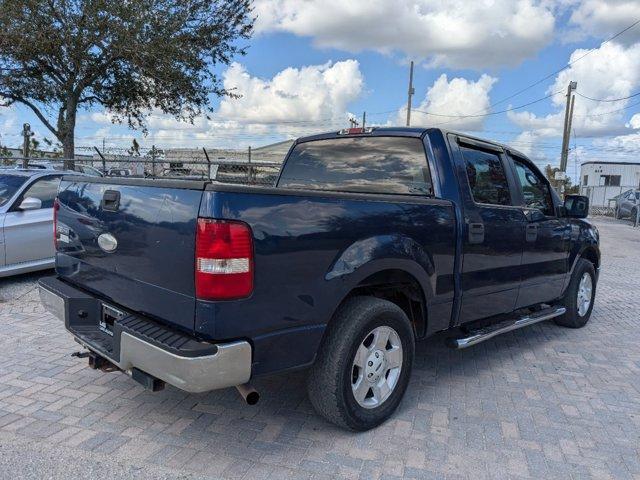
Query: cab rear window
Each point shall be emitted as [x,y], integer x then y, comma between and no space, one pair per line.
[391,165]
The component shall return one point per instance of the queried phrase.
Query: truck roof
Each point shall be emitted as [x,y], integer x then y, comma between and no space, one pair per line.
[376,132]
[407,132]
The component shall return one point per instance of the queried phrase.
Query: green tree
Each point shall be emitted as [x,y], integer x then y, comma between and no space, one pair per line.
[130,56]
[54,149]
[569,188]
[134,150]
[5,153]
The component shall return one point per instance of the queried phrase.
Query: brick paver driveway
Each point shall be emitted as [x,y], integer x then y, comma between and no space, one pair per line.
[544,402]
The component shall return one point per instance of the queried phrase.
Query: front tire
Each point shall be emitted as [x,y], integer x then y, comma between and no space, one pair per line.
[580,295]
[364,363]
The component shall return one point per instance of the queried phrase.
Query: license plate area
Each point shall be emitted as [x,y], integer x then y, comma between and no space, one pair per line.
[108,316]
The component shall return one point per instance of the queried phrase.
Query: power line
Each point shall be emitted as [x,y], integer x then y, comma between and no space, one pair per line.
[609,112]
[489,113]
[608,99]
[555,72]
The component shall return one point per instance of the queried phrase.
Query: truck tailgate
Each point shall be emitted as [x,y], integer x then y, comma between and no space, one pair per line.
[133,241]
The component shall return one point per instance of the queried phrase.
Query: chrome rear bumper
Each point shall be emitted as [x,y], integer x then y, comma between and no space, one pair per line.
[229,365]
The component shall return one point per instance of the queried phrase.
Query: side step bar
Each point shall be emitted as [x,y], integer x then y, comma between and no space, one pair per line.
[480,335]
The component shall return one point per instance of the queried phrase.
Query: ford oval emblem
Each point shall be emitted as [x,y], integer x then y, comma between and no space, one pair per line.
[107,242]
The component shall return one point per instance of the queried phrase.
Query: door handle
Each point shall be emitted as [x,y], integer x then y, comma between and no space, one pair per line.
[110,201]
[531,233]
[476,232]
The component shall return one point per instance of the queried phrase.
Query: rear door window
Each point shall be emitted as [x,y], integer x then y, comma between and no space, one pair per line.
[487,177]
[392,165]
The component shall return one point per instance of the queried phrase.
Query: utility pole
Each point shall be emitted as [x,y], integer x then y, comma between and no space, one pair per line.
[153,160]
[575,162]
[568,117]
[410,95]
[26,138]
[364,119]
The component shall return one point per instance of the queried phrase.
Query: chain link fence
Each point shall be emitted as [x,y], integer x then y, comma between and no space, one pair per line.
[604,199]
[225,169]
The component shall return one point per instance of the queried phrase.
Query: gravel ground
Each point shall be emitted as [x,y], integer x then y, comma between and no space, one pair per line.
[542,402]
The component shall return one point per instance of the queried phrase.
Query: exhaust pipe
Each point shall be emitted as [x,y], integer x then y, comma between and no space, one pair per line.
[248,393]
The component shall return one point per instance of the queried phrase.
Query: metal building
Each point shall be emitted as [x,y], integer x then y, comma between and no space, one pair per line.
[603,182]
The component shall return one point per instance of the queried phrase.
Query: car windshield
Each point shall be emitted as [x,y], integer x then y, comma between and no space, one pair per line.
[9,185]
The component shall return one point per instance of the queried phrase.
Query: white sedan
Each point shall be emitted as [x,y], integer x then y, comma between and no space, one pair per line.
[26,219]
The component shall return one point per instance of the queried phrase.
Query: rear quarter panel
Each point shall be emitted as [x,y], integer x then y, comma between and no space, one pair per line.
[311,250]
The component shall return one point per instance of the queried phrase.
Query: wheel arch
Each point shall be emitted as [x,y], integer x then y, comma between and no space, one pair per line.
[591,254]
[398,285]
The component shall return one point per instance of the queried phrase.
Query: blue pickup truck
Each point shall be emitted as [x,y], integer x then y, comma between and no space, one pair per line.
[369,241]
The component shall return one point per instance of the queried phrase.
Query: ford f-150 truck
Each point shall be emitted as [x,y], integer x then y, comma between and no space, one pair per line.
[368,241]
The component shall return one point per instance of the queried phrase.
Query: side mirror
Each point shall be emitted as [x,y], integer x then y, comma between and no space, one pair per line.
[30,203]
[576,206]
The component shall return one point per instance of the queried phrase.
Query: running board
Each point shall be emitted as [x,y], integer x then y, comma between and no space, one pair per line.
[480,335]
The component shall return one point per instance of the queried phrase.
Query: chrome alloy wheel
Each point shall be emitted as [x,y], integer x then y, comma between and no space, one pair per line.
[376,367]
[585,290]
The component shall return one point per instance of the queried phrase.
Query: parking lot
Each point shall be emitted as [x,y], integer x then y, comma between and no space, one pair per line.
[543,402]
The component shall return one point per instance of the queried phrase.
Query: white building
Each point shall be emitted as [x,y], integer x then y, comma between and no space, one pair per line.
[602,182]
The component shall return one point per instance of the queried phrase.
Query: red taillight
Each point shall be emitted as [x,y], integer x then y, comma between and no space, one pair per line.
[56,207]
[224,260]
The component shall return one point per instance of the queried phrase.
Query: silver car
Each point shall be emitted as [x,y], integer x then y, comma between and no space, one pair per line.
[79,168]
[627,204]
[26,219]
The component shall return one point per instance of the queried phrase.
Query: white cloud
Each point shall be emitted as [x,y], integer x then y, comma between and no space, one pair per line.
[528,143]
[310,93]
[623,147]
[454,33]
[296,101]
[448,98]
[604,18]
[9,128]
[610,72]
[634,122]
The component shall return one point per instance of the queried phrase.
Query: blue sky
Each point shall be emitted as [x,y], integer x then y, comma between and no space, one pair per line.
[313,63]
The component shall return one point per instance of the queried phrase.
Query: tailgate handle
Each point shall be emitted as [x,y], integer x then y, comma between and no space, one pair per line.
[110,200]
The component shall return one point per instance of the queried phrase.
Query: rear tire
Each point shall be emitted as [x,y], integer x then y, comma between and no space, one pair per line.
[634,215]
[580,295]
[363,365]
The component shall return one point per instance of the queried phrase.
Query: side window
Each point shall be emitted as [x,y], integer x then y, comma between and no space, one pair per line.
[487,177]
[45,189]
[534,189]
[610,180]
